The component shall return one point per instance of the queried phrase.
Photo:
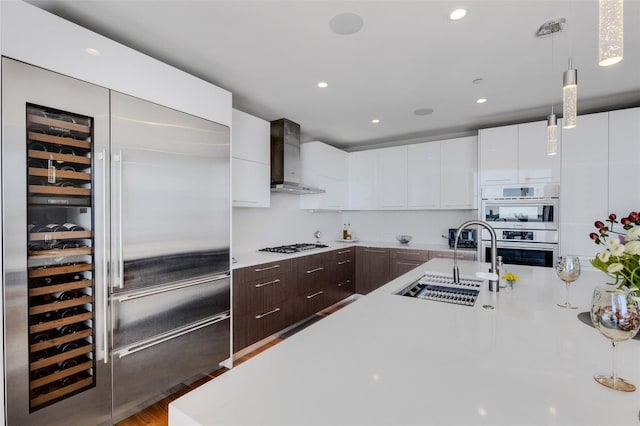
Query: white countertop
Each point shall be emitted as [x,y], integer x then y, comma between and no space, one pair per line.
[252,258]
[392,360]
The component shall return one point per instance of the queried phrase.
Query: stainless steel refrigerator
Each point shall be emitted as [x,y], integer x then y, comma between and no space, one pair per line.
[116,248]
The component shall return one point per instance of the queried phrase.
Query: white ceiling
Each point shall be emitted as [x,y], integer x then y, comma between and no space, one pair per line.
[408,55]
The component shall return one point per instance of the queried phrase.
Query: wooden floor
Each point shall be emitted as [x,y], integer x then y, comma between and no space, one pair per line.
[158,413]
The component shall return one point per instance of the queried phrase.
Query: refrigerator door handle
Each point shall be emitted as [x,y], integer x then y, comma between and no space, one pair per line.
[102,156]
[119,281]
[121,353]
[185,284]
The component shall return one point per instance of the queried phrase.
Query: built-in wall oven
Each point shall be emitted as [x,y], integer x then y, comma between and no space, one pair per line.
[526,223]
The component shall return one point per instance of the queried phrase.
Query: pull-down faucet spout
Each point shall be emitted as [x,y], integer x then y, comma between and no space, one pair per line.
[493,284]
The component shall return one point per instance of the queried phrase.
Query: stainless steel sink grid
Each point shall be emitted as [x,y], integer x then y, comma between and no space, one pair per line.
[442,289]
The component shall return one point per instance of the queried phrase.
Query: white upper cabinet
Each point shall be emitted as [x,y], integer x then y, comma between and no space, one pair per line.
[459,171]
[391,178]
[325,167]
[423,175]
[584,188]
[624,161]
[534,165]
[362,179]
[499,155]
[251,160]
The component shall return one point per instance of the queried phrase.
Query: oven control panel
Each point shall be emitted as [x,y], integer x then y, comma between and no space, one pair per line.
[518,235]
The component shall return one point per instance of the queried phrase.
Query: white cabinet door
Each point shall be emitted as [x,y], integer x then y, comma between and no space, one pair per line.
[423,176]
[250,151]
[251,138]
[624,161]
[362,179]
[251,185]
[499,155]
[583,193]
[459,173]
[325,167]
[534,165]
[391,178]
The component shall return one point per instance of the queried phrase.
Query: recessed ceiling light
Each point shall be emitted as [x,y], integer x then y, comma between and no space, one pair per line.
[457,14]
[323,84]
[346,23]
[92,51]
[481,100]
[375,121]
[423,111]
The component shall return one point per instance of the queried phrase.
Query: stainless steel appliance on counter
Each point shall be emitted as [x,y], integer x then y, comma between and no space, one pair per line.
[294,248]
[526,223]
[116,249]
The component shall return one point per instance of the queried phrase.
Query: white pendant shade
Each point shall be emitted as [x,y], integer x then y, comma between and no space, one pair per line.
[570,98]
[610,32]
[552,134]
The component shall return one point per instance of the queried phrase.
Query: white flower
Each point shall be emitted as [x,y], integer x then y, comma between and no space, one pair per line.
[612,243]
[604,256]
[617,250]
[615,267]
[632,247]
[633,234]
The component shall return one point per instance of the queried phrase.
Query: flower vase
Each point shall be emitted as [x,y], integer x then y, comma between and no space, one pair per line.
[510,284]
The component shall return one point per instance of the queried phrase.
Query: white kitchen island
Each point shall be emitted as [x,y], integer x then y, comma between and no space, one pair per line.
[392,360]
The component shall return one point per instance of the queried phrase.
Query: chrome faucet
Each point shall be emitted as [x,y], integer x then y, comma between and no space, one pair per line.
[493,284]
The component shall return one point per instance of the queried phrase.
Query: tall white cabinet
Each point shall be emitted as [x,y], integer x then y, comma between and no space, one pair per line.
[391,178]
[517,154]
[326,167]
[251,160]
[624,161]
[424,175]
[363,167]
[585,183]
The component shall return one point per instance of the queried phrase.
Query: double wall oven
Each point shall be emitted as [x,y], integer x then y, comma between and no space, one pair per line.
[526,223]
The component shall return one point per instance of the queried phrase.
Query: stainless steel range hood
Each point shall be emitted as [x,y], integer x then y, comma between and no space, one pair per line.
[285,159]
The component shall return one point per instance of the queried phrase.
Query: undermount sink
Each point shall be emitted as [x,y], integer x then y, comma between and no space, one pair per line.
[441,288]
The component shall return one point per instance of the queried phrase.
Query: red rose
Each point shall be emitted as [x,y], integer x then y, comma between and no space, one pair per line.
[624,220]
[612,216]
[594,236]
[634,216]
[599,224]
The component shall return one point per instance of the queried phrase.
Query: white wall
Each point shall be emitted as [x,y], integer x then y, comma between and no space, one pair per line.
[425,226]
[282,223]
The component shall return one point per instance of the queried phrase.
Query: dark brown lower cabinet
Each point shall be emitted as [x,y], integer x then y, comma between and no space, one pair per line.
[270,297]
[372,268]
[402,261]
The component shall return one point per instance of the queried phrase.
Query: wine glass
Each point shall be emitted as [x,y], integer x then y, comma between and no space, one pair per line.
[568,269]
[617,317]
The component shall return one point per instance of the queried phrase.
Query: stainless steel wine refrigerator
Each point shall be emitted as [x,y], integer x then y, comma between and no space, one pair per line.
[116,217]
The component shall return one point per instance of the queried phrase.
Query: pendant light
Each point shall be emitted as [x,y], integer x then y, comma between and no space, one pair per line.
[610,32]
[552,133]
[569,97]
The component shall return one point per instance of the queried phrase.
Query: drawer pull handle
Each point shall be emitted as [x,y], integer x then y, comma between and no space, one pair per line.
[267,268]
[374,251]
[408,264]
[273,311]
[267,283]
[315,270]
[343,283]
[407,252]
[311,296]
[344,252]
[344,261]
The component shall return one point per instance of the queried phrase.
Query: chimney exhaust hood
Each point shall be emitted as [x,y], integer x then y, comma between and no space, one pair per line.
[285,159]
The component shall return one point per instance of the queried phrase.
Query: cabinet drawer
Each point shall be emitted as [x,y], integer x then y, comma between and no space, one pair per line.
[408,254]
[264,270]
[314,279]
[268,291]
[258,324]
[309,303]
[345,253]
[314,261]
[399,266]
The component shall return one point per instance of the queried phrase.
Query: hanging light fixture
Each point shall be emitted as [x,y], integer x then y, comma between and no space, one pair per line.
[546,29]
[552,133]
[569,97]
[610,32]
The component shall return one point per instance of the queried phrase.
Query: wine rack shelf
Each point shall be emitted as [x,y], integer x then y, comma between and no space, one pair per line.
[61,303]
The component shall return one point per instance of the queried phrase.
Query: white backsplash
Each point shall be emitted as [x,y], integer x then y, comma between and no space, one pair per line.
[284,223]
[425,226]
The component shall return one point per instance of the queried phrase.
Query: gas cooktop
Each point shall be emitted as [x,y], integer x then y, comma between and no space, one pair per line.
[294,248]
